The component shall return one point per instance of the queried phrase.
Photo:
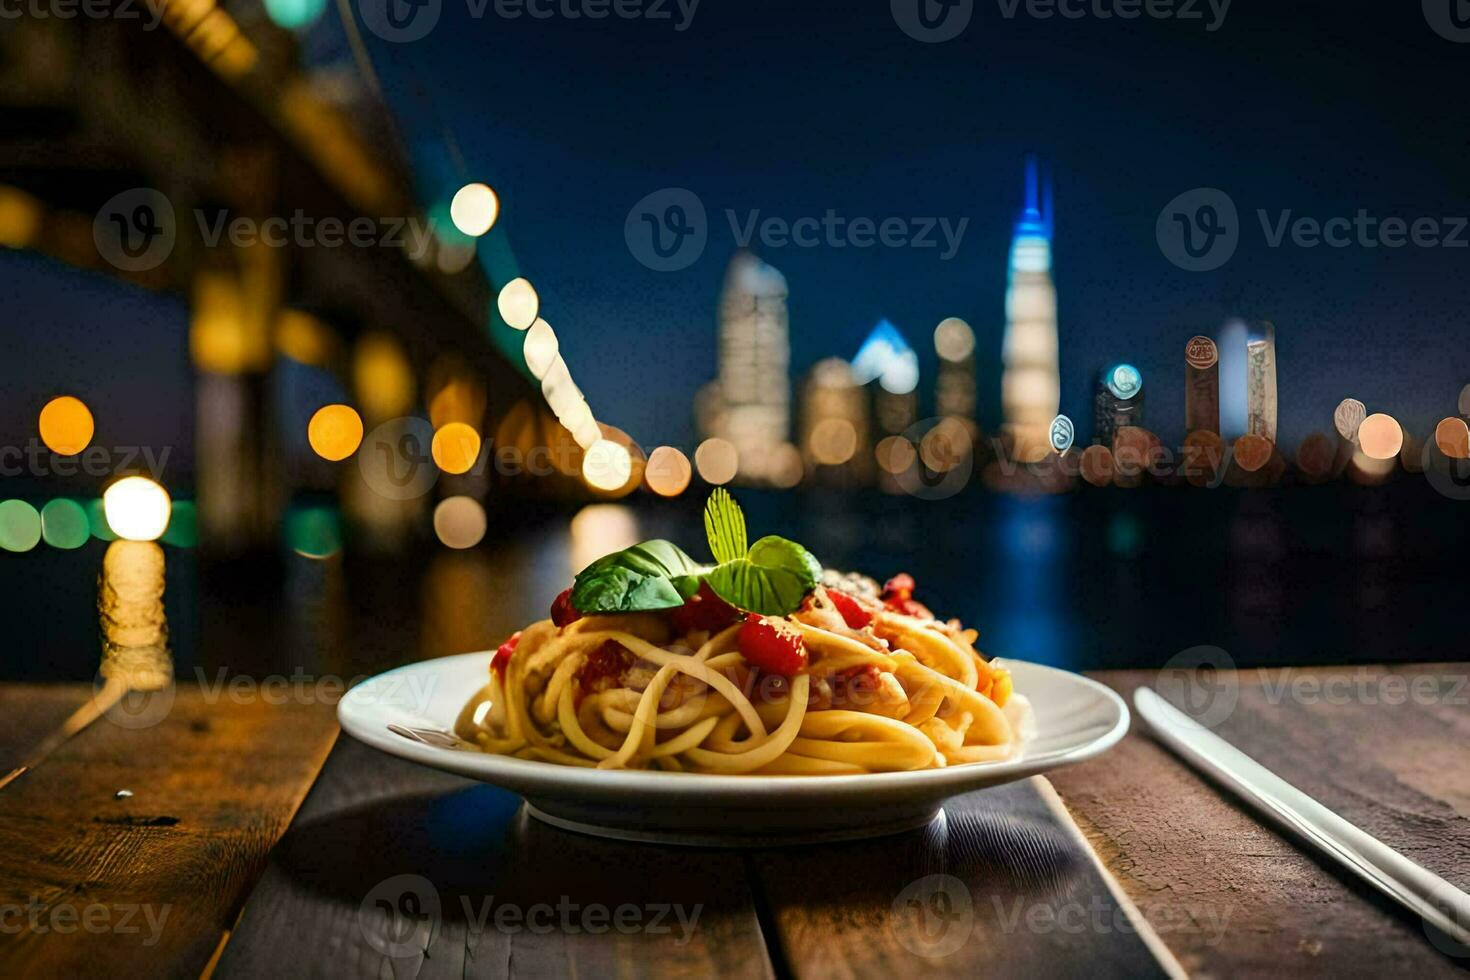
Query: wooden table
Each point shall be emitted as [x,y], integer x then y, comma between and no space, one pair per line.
[215,786]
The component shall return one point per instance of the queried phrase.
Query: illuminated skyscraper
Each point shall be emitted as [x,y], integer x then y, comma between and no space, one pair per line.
[835,421]
[1031,385]
[749,404]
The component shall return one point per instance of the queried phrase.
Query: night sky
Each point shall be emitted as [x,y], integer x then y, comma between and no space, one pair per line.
[797,108]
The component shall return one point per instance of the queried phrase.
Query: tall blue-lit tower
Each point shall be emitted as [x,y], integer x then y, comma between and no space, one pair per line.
[1031,383]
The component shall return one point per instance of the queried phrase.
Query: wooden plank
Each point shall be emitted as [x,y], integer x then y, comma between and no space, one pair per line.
[148,884]
[1000,887]
[489,891]
[1232,897]
[29,712]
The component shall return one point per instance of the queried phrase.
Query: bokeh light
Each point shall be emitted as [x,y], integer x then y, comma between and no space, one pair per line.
[518,304]
[785,467]
[183,525]
[474,209]
[1452,436]
[833,442]
[20,526]
[954,340]
[382,377]
[895,455]
[946,445]
[66,425]
[304,338]
[459,522]
[668,472]
[64,524]
[540,348]
[335,432]
[314,532]
[453,257]
[294,14]
[137,509]
[97,520]
[601,529]
[608,466]
[717,461]
[455,448]
[1381,437]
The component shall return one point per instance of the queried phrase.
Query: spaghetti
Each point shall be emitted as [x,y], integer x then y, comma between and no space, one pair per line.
[855,680]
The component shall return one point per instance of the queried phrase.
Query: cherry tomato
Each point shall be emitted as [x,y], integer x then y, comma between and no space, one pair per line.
[772,646]
[704,611]
[898,595]
[605,666]
[854,615]
[562,610]
[901,586]
[502,656]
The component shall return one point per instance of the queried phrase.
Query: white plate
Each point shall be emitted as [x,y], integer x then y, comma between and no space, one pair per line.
[1076,719]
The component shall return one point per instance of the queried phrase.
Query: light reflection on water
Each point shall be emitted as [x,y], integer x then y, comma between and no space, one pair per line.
[135,647]
[1032,613]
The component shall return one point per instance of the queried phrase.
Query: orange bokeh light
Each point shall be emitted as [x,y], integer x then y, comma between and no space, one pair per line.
[66,425]
[335,432]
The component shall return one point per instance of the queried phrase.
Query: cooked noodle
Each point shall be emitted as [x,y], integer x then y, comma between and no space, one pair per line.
[903,692]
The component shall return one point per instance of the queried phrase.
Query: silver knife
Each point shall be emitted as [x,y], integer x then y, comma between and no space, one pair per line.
[1439,903]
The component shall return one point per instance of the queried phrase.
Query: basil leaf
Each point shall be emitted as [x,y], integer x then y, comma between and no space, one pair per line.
[771,580]
[647,576]
[724,525]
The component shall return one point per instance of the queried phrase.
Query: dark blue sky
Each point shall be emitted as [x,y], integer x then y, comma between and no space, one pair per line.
[794,109]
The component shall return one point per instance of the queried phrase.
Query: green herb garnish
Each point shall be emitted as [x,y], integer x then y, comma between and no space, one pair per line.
[770,577]
[647,576]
